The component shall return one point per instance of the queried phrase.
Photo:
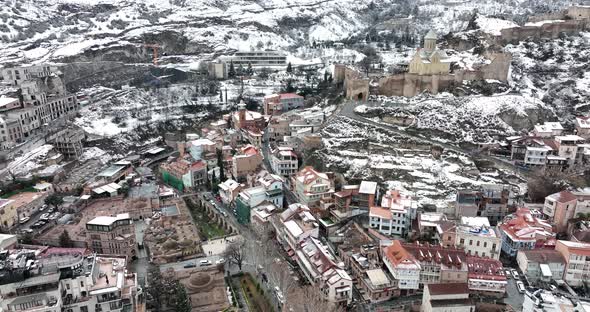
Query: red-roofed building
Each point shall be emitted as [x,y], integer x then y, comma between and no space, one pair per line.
[522,230]
[402,266]
[247,161]
[486,276]
[280,103]
[560,207]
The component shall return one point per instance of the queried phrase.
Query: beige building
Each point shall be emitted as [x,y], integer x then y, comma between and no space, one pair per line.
[246,162]
[27,203]
[577,259]
[313,187]
[111,235]
[8,214]
[430,60]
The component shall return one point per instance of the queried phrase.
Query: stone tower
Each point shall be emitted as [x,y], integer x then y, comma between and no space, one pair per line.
[242,114]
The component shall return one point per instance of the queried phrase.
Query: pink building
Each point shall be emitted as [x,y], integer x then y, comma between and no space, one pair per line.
[280,103]
[560,207]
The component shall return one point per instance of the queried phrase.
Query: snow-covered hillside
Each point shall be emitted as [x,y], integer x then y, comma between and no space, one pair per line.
[58,30]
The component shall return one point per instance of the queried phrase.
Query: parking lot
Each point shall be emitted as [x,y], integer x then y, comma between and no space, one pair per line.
[40,219]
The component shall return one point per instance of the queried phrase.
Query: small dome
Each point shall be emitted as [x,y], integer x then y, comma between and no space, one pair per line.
[431,35]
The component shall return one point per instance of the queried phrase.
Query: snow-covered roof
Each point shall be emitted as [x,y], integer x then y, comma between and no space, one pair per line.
[377,277]
[6,100]
[368,187]
[475,221]
[583,122]
[293,228]
[108,220]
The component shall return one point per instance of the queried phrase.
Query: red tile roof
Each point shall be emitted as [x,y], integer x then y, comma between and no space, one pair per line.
[397,254]
[485,268]
[381,212]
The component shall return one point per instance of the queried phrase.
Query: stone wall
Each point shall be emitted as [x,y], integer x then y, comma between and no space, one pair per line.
[549,30]
[412,84]
[357,89]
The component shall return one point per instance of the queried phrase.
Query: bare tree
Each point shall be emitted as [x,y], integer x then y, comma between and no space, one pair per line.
[311,299]
[279,276]
[236,252]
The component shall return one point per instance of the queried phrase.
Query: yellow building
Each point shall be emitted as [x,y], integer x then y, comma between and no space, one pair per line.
[8,214]
[430,60]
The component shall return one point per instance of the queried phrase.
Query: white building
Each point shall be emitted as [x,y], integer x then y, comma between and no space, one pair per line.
[478,238]
[228,190]
[395,215]
[567,147]
[545,301]
[402,266]
[577,258]
[312,187]
[294,225]
[548,129]
[65,279]
[284,161]
[321,268]
[541,264]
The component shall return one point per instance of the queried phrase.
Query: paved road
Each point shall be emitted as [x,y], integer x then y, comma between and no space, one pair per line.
[347,110]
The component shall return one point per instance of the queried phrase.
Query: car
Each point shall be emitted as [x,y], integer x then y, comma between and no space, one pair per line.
[224,213]
[36,225]
[24,220]
[24,231]
[552,287]
[520,287]
[514,273]
[51,210]
[220,261]
[204,262]
[44,216]
[508,273]
[190,265]
[43,208]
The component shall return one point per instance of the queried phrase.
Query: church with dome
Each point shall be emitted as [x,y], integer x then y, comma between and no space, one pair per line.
[429,60]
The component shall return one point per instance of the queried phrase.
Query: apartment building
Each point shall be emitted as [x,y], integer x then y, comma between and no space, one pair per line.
[491,201]
[567,147]
[284,161]
[522,231]
[294,225]
[111,235]
[394,216]
[477,237]
[50,279]
[541,265]
[439,264]
[8,214]
[182,173]
[256,59]
[402,265]
[10,132]
[322,268]
[67,141]
[280,103]
[269,189]
[559,208]
[313,187]
[247,161]
[577,259]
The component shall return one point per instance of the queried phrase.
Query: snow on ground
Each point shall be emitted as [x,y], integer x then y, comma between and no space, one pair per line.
[28,162]
[364,152]
[493,26]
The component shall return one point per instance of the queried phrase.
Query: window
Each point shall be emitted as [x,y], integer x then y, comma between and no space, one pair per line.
[485,244]
[477,244]
[470,242]
[81,283]
[68,286]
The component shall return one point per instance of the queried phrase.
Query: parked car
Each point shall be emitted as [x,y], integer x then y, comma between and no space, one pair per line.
[204,262]
[508,273]
[51,210]
[44,216]
[220,261]
[26,231]
[514,273]
[24,220]
[190,265]
[43,208]
[552,287]
[520,287]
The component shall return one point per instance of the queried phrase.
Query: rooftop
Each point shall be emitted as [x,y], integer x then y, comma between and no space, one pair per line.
[108,220]
[368,187]
[543,255]
[562,197]
[447,289]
